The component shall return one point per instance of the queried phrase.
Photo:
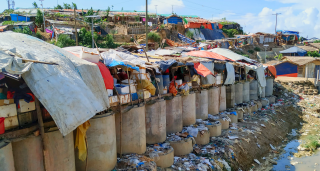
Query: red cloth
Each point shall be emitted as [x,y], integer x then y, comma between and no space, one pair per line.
[172,88]
[106,75]
[207,54]
[220,26]
[209,26]
[202,70]
[10,94]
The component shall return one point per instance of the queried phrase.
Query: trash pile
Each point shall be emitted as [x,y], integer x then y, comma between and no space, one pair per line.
[136,162]
[156,150]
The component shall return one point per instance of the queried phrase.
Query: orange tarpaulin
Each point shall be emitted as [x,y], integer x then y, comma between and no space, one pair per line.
[273,70]
[209,26]
[220,26]
[206,54]
[193,25]
[202,70]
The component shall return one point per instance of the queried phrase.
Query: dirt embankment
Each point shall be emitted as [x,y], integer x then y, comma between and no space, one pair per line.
[257,146]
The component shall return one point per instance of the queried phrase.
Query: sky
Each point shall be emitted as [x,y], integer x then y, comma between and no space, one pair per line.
[252,15]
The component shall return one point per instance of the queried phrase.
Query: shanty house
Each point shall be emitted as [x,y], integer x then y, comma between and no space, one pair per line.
[173,19]
[294,51]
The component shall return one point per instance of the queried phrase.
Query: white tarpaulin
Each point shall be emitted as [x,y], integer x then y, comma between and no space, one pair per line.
[230,74]
[66,90]
[111,55]
[231,55]
[13,65]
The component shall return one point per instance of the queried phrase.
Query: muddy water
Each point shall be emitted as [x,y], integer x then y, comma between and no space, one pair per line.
[288,162]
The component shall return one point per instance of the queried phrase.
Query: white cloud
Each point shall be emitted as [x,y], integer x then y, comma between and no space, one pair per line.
[302,16]
[164,6]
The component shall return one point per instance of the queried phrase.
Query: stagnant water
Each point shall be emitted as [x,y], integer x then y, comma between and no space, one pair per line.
[288,162]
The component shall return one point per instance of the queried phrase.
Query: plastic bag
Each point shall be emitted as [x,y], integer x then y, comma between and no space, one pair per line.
[172,88]
[145,84]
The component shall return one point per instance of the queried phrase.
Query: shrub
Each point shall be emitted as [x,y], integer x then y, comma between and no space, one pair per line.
[24,30]
[7,23]
[154,36]
[38,35]
[162,26]
[189,34]
[251,51]
[65,41]
[312,143]
[39,18]
[257,49]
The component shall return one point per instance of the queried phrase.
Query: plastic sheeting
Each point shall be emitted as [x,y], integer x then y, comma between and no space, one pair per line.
[72,91]
[212,34]
[197,35]
[164,65]
[202,69]
[114,58]
[231,55]
[207,54]
[13,65]
[230,74]
[295,49]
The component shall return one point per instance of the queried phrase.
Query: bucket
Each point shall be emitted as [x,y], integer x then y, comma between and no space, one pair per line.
[215,129]
[234,118]
[2,125]
[203,139]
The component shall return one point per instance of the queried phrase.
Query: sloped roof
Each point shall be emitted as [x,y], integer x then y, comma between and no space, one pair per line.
[197,20]
[231,55]
[301,60]
[317,45]
[207,54]
[308,48]
[294,50]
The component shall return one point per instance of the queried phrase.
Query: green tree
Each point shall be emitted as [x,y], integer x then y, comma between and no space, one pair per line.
[107,12]
[64,40]
[89,13]
[279,57]
[39,18]
[313,54]
[189,34]
[34,4]
[24,30]
[154,36]
[58,7]
[74,6]
[66,6]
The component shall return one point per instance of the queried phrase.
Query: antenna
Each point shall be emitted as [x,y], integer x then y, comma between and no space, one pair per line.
[8,4]
[12,4]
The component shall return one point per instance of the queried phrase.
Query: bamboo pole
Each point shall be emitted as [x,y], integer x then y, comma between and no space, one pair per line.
[41,129]
[129,87]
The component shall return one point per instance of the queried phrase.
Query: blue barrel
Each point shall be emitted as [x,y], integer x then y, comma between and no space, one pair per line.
[166,81]
[159,87]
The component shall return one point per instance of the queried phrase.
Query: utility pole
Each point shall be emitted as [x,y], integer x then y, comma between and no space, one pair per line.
[75,27]
[276,14]
[146,25]
[156,10]
[172,9]
[8,4]
[43,14]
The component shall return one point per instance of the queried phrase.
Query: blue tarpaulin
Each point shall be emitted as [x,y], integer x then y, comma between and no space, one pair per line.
[287,69]
[164,65]
[174,20]
[296,50]
[212,34]
[116,63]
[16,17]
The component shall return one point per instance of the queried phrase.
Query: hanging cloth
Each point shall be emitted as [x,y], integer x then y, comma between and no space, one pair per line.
[230,74]
[81,140]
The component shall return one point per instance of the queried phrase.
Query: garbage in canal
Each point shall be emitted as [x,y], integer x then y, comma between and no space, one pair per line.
[161,153]
[136,162]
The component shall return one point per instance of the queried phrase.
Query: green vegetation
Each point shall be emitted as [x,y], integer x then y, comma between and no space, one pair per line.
[74,6]
[34,4]
[227,23]
[66,6]
[317,41]
[312,142]
[60,15]
[24,30]
[189,34]
[243,54]
[39,18]
[154,36]
[89,13]
[58,7]
[257,49]
[279,57]
[231,32]
[65,41]
[85,39]
[107,12]
[38,35]
[8,23]
[313,54]
[162,26]
[137,18]
[251,51]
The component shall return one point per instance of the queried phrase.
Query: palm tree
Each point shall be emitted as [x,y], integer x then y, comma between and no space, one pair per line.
[279,57]
[35,5]
[74,5]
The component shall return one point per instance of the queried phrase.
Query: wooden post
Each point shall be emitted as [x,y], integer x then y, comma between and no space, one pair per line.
[75,28]
[120,121]
[129,87]
[41,129]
